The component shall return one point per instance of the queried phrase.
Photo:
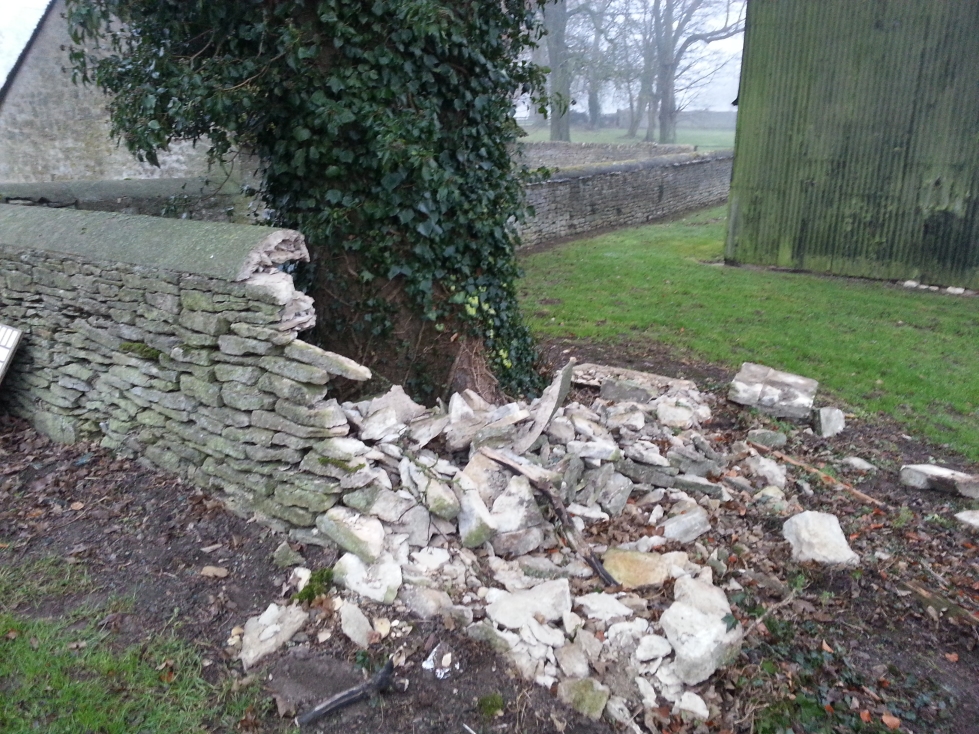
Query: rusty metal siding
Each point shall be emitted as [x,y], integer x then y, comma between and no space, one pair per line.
[857,149]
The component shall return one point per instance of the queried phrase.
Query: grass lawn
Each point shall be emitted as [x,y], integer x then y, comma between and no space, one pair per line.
[67,676]
[876,347]
[704,139]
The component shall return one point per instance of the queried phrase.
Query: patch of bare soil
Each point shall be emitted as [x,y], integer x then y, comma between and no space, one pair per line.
[897,637]
[833,651]
[144,537]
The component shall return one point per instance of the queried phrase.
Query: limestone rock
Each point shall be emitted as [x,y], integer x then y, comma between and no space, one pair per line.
[702,642]
[817,536]
[405,409]
[673,413]
[771,471]
[550,600]
[516,508]
[355,625]
[764,437]
[929,476]
[424,602]
[969,518]
[476,525]
[572,660]
[379,581]
[613,496]
[651,647]
[284,556]
[829,422]
[777,393]
[702,596]
[691,706]
[601,606]
[269,631]
[633,569]
[687,526]
[359,534]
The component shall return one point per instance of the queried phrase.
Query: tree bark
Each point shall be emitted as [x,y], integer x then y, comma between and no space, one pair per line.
[556,24]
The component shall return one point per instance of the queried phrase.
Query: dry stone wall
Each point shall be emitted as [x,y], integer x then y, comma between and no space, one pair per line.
[197,368]
[584,199]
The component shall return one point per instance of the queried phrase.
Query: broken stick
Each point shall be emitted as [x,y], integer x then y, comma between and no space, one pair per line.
[541,479]
[352,695]
[826,478]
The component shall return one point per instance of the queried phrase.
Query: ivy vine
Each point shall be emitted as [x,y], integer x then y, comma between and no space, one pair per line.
[383,131]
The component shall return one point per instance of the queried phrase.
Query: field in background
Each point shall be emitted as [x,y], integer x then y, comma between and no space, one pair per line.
[704,139]
[875,346]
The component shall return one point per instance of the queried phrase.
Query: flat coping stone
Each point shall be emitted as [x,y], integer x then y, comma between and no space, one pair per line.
[213,249]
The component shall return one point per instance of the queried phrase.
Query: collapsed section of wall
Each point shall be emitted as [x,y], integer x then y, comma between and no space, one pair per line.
[585,199]
[177,341]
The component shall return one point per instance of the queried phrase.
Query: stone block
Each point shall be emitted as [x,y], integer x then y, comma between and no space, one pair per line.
[244,374]
[244,397]
[295,392]
[777,393]
[334,364]
[275,422]
[252,435]
[272,336]
[323,415]
[206,323]
[284,455]
[294,370]
[240,345]
[203,357]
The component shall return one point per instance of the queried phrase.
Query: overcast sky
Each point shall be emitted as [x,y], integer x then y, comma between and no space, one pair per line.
[17,21]
[19,17]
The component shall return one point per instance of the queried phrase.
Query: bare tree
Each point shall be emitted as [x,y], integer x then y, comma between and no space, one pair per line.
[679,26]
[558,58]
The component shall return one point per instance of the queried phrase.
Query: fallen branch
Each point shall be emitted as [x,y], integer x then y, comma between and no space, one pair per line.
[826,478]
[540,479]
[941,604]
[350,696]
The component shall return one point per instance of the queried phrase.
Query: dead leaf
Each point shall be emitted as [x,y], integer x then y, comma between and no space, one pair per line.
[76,506]
[827,648]
[214,572]
[211,548]
[12,635]
[891,722]
[865,716]
[952,657]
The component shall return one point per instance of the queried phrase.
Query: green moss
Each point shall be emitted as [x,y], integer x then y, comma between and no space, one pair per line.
[338,463]
[319,583]
[141,350]
[491,705]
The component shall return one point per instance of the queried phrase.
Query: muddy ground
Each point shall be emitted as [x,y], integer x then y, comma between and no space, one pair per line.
[894,642]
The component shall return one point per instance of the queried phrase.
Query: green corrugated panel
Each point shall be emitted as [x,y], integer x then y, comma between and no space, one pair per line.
[857,148]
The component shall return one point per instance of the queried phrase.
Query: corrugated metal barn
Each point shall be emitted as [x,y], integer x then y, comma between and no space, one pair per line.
[857,150]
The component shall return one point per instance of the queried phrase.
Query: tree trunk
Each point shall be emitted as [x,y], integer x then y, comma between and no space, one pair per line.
[556,23]
[651,128]
[667,104]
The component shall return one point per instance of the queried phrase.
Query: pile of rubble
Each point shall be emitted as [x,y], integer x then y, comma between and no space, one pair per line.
[464,534]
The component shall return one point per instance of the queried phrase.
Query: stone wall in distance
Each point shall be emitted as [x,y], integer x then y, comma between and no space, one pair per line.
[586,199]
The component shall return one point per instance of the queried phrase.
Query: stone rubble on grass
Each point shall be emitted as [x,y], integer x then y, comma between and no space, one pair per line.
[930,476]
[781,394]
[460,535]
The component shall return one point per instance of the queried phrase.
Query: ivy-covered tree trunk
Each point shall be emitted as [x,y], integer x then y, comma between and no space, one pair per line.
[383,132]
